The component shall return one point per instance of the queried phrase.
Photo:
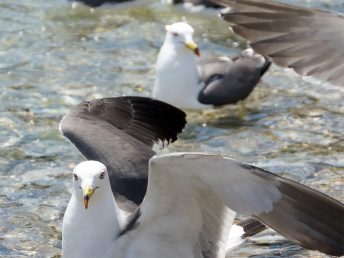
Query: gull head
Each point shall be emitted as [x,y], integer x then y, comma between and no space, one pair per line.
[90,180]
[180,35]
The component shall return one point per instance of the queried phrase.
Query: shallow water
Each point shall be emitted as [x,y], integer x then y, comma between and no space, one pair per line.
[53,55]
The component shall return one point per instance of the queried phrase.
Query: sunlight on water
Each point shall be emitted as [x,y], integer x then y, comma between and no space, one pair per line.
[53,55]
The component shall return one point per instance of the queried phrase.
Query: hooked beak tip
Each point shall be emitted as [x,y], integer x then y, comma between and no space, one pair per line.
[197,52]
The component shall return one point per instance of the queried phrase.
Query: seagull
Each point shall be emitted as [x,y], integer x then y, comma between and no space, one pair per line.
[120,133]
[189,207]
[190,83]
[307,40]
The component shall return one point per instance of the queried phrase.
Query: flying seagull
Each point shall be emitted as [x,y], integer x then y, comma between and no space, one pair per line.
[120,132]
[190,83]
[189,207]
[309,41]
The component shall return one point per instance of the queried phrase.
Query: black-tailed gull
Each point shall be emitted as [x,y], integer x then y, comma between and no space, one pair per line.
[120,133]
[189,207]
[190,83]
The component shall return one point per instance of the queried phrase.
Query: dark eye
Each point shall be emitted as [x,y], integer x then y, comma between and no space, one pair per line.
[101,176]
[175,34]
[75,177]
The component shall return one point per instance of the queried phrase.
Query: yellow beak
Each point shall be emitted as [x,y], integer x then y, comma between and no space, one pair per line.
[87,192]
[193,46]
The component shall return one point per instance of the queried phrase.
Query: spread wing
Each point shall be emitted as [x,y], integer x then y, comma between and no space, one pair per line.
[309,41]
[187,193]
[120,133]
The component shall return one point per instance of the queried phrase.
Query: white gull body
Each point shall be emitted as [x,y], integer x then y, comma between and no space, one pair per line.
[186,213]
[177,78]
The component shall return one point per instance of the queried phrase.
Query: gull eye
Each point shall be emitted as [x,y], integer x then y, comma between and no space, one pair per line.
[175,34]
[101,176]
[75,177]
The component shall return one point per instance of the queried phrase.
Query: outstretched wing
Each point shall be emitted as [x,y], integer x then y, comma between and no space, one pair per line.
[180,184]
[309,41]
[120,133]
[229,80]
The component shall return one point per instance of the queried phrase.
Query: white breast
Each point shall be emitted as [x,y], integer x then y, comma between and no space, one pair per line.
[177,79]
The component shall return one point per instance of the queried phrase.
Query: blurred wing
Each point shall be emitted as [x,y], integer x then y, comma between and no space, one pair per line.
[229,80]
[307,40]
[305,216]
[120,133]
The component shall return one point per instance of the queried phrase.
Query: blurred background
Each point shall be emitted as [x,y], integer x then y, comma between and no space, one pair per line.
[54,54]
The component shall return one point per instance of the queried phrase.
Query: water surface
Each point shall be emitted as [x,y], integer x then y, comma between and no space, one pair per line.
[53,55]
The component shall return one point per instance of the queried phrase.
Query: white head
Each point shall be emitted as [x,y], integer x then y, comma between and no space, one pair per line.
[180,35]
[90,179]
[90,223]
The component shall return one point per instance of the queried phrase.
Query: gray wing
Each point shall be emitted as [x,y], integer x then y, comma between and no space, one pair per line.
[307,40]
[305,216]
[299,213]
[120,133]
[229,80]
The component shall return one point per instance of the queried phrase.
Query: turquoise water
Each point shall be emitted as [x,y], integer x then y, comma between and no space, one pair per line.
[53,55]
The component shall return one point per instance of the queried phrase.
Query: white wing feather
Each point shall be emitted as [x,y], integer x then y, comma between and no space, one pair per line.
[184,212]
[185,205]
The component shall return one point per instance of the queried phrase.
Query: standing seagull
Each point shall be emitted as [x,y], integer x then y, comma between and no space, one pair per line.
[185,82]
[309,41]
[189,207]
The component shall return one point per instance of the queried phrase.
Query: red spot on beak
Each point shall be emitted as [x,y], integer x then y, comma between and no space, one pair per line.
[86,198]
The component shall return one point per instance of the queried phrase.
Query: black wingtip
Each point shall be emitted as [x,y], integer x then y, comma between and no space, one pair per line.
[148,120]
[162,119]
[120,133]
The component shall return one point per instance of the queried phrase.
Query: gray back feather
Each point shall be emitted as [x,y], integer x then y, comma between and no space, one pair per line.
[229,80]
